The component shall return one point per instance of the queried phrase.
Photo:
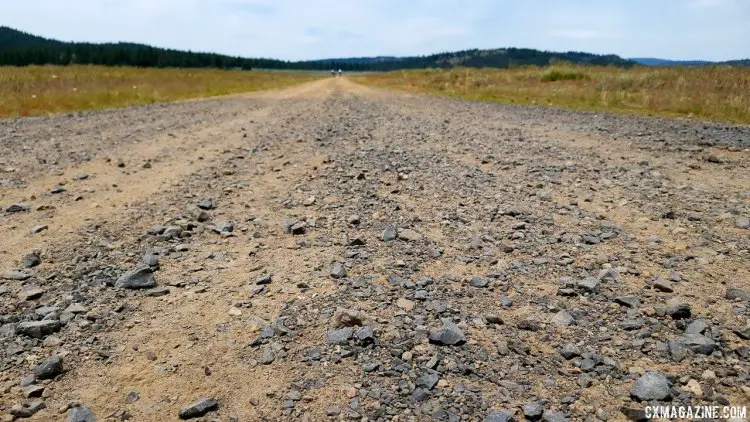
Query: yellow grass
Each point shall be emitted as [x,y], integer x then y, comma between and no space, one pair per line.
[39,90]
[711,93]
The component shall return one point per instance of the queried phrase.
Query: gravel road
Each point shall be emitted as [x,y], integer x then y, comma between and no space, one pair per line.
[336,252]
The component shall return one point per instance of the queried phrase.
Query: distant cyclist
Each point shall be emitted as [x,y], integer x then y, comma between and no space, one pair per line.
[333,72]
[340,73]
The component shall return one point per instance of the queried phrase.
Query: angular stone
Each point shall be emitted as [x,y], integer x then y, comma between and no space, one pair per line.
[696,327]
[263,279]
[150,259]
[389,234]
[698,343]
[549,416]
[734,293]
[563,319]
[340,337]
[678,310]
[140,278]
[81,414]
[663,285]
[31,260]
[30,293]
[198,409]
[428,380]
[38,329]
[17,208]
[448,335]
[16,275]
[569,351]
[629,301]
[533,411]
[479,282]
[590,284]
[207,204]
[338,271]
[499,416]
[49,369]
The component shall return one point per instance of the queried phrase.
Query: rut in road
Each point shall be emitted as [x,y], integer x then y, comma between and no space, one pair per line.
[337,252]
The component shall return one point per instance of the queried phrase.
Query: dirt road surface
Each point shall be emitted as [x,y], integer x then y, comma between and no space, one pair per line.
[335,252]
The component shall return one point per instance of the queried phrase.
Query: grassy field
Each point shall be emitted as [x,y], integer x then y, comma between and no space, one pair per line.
[40,90]
[710,93]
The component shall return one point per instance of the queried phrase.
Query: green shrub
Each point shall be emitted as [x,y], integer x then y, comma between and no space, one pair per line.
[554,74]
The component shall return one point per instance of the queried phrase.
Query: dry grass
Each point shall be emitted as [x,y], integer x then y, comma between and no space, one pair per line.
[40,90]
[711,93]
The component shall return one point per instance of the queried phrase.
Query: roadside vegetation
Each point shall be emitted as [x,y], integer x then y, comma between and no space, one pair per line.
[40,90]
[711,92]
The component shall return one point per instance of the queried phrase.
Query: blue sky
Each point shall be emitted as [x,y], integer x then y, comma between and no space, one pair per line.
[307,29]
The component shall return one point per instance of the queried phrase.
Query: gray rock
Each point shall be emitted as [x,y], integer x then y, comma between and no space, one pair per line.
[590,284]
[81,414]
[479,282]
[27,380]
[338,270]
[32,391]
[428,380]
[448,335]
[156,230]
[267,357]
[389,234]
[49,368]
[207,204]
[696,327]
[651,386]
[734,293]
[505,301]
[499,416]
[553,417]
[199,408]
[698,343]
[663,285]
[38,329]
[569,351]
[340,337]
[742,223]
[263,279]
[533,411]
[743,333]
[150,259]
[677,350]
[365,334]
[679,310]
[17,208]
[16,275]
[563,319]
[629,301]
[31,260]
[27,411]
[223,227]
[38,229]
[608,273]
[140,278]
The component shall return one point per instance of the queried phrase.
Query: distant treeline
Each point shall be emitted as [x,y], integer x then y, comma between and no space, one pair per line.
[21,49]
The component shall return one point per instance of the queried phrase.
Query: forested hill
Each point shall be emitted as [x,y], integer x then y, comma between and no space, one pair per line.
[20,49]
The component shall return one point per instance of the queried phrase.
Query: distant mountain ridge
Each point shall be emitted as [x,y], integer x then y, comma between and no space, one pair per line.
[19,48]
[648,61]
